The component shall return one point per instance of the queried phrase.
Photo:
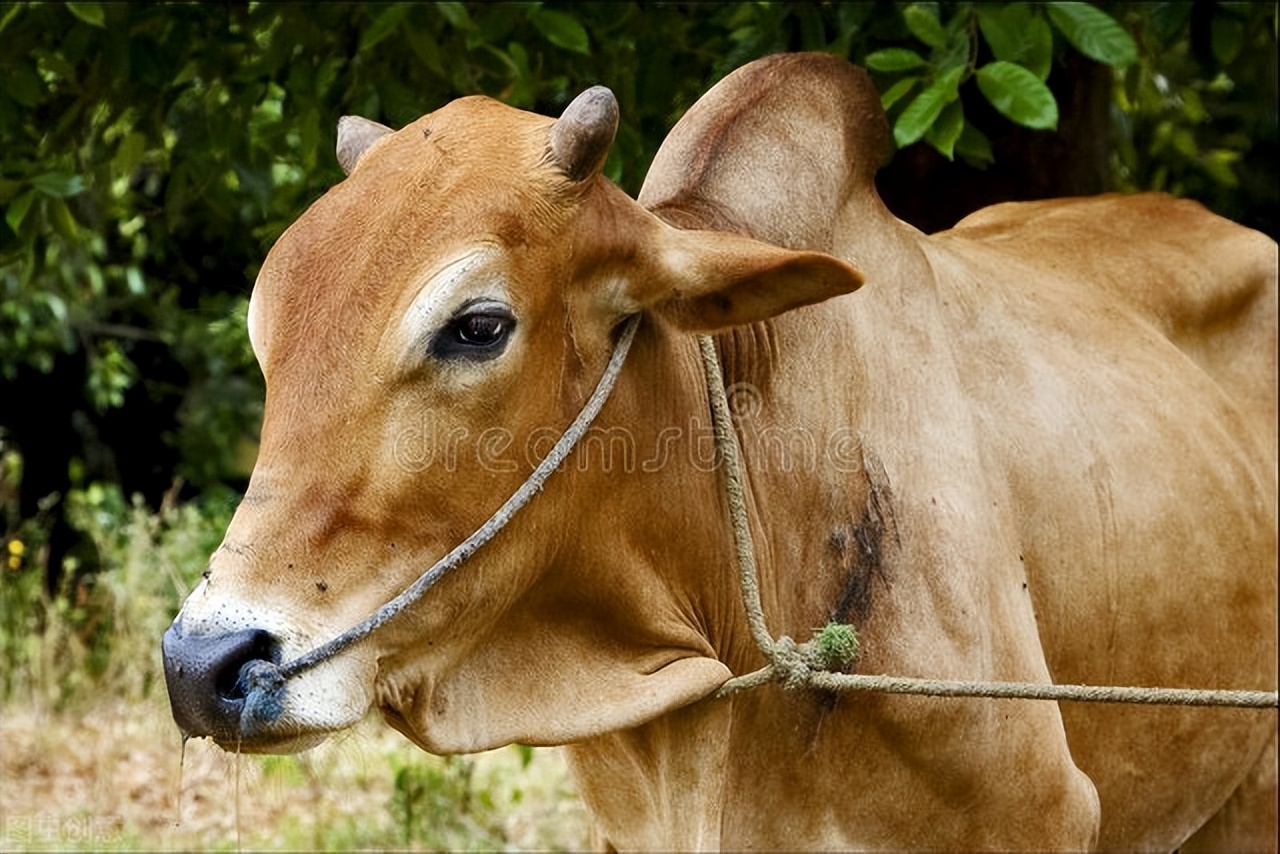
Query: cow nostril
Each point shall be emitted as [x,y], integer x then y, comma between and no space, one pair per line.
[202,673]
[228,683]
[261,647]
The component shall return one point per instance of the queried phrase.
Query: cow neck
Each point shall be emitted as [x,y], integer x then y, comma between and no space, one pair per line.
[832,647]
[263,681]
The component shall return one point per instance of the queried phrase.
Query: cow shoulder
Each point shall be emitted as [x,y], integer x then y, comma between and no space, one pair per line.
[1185,267]
[1204,283]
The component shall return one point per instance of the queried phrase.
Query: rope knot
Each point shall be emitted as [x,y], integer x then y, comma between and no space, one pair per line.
[263,686]
[832,648]
[791,662]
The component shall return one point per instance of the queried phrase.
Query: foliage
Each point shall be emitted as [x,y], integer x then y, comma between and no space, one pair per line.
[109,775]
[56,649]
[1195,114]
[1020,44]
[436,803]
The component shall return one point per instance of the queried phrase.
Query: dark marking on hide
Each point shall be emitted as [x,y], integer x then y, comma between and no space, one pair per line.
[862,548]
[862,552]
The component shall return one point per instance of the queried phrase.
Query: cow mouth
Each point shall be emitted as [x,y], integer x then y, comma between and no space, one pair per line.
[279,745]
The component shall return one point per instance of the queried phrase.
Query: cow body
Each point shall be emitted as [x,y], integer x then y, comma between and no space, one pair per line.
[1038,447]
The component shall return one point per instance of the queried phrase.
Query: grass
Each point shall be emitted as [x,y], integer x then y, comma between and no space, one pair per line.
[90,759]
[113,776]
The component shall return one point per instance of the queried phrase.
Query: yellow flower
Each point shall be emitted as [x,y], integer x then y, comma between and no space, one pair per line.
[14,562]
[16,548]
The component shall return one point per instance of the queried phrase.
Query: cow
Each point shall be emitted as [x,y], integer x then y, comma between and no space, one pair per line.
[1040,446]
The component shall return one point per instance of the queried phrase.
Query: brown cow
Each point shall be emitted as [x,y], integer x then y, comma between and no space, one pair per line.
[1040,446]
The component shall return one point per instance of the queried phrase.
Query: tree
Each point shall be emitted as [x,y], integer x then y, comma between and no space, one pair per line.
[149,156]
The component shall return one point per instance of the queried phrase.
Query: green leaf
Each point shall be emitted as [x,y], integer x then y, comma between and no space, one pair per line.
[974,147]
[1018,94]
[17,210]
[1015,33]
[14,9]
[946,130]
[998,31]
[561,29]
[110,374]
[896,91]
[383,25]
[456,14]
[526,755]
[921,113]
[1219,164]
[894,59]
[1226,38]
[57,306]
[63,222]
[924,25]
[1192,106]
[129,154]
[58,184]
[23,84]
[1094,33]
[1184,142]
[424,46]
[1038,56]
[90,13]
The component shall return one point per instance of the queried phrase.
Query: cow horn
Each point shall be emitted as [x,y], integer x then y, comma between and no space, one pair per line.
[355,135]
[581,137]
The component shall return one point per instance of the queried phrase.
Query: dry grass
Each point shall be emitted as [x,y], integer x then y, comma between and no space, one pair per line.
[108,776]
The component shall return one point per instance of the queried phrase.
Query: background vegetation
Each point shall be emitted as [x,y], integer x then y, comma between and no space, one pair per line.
[150,155]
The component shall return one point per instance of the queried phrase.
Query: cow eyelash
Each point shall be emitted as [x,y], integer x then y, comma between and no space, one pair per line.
[479,331]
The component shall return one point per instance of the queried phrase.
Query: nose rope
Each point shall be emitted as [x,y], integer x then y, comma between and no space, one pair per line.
[263,681]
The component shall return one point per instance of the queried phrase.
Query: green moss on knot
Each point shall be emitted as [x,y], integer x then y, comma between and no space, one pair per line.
[835,646]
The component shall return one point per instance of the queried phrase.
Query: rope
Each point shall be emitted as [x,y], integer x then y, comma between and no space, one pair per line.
[795,665]
[811,664]
[263,681]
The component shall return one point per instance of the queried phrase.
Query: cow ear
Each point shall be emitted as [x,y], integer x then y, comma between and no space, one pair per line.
[355,136]
[580,139]
[705,281]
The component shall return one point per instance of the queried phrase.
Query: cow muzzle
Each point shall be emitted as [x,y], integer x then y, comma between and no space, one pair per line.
[206,678]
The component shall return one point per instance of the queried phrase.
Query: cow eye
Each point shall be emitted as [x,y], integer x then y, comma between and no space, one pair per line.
[481,330]
[477,332]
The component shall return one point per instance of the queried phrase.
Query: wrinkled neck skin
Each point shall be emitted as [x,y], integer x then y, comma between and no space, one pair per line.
[826,495]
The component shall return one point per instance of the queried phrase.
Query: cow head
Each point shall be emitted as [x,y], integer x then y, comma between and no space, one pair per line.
[426,331]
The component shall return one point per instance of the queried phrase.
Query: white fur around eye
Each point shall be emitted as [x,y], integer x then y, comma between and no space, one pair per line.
[468,278]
